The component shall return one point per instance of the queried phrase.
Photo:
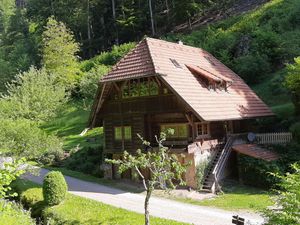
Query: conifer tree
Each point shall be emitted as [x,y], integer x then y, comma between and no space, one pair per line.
[59,53]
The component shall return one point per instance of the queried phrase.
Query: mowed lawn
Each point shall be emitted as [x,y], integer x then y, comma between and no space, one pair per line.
[238,197]
[78,210]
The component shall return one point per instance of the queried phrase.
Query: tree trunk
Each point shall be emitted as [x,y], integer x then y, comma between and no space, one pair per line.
[89,29]
[151,16]
[148,195]
[114,17]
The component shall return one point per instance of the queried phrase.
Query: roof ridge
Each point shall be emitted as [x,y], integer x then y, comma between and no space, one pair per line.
[174,43]
[150,53]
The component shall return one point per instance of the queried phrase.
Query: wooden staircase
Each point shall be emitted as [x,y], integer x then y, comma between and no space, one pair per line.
[209,178]
[216,168]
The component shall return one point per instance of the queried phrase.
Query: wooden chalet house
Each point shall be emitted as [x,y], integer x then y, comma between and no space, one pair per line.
[160,85]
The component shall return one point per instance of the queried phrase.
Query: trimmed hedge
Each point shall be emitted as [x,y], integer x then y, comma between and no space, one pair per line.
[14,214]
[54,188]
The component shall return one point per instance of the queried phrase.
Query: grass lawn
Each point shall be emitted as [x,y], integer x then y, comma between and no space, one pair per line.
[235,197]
[78,210]
[70,123]
[238,197]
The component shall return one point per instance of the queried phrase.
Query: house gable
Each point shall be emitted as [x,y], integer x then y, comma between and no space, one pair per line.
[175,65]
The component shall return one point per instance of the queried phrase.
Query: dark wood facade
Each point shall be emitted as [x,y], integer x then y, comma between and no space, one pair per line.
[147,114]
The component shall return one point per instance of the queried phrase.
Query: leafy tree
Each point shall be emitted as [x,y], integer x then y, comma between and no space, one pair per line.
[288,200]
[59,52]
[90,81]
[292,82]
[163,166]
[22,138]
[17,48]
[9,172]
[33,95]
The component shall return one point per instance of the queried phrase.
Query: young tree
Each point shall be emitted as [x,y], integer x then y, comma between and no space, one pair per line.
[33,95]
[292,82]
[164,168]
[59,52]
[288,200]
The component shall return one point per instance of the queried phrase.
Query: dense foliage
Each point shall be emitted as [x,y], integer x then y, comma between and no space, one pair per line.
[288,199]
[33,95]
[24,139]
[251,168]
[98,24]
[9,172]
[86,160]
[256,43]
[54,188]
[293,83]
[59,51]
[14,214]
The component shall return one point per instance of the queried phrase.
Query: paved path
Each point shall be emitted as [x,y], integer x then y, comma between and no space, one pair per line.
[159,207]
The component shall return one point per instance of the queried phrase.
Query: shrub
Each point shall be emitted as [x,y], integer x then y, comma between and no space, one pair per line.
[295,129]
[54,188]
[86,160]
[33,95]
[250,169]
[23,138]
[89,82]
[288,200]
[14,214]
[201,171]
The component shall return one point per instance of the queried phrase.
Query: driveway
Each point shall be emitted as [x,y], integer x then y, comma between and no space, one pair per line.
[159,207]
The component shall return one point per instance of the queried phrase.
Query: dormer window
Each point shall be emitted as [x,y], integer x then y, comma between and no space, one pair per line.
[175,63]
[211,80]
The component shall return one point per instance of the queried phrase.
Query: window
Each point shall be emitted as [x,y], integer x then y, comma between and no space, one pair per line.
[118,133]
[180,130]
[176,64]
[140,87]
[203,129]
[123,133]
[127,133]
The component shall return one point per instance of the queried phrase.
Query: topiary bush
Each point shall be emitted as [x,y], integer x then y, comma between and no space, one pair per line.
[54,188]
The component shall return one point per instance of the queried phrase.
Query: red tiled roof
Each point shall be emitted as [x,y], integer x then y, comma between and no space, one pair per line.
[153,57]
[137,63]
[256,151]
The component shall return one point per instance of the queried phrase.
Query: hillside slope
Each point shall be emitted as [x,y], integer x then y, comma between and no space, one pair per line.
[256,45]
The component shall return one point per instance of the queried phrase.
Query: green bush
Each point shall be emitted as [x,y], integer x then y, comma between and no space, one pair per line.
[90,80]
[250,169]
[13,214]
[86,160]
[288,199]
[24,138]
[33,95]
[295,129]
[54,188]
[201,171]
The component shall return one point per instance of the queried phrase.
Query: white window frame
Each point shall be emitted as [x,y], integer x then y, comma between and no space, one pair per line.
[203,135]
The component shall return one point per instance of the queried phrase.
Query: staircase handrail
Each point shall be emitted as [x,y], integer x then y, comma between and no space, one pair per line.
[223,158]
